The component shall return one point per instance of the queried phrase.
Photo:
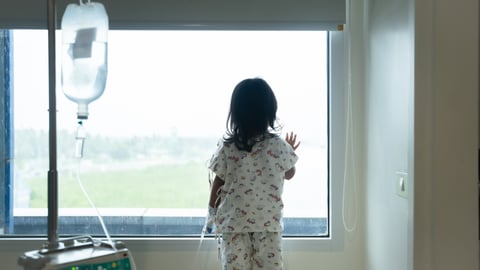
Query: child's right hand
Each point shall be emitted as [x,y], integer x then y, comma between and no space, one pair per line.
[292,140]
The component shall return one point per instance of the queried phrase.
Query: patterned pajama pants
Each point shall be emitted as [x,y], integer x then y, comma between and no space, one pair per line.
[251,251]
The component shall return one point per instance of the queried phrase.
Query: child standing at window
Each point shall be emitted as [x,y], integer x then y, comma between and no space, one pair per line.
[250,166]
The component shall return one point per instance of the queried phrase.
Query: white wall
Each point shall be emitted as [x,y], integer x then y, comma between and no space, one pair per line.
[178,256]
[445,206]
[421,116]
[388,91]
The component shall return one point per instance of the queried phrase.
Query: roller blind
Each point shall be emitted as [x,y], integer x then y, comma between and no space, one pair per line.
[190,14]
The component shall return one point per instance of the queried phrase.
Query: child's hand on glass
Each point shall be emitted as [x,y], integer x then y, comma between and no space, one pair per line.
[292,140]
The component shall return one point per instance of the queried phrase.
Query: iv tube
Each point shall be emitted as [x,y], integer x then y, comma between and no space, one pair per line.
[79,143]
[84,53]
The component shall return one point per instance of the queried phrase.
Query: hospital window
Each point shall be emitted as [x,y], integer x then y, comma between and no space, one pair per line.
[152,132]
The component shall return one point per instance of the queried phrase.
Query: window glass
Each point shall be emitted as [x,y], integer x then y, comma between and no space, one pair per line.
[151,133]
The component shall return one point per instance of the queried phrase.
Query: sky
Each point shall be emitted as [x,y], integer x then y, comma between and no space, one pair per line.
[179,81]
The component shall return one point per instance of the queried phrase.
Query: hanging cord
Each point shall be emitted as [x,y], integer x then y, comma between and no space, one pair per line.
[349,137]
[349,145]
[80,139]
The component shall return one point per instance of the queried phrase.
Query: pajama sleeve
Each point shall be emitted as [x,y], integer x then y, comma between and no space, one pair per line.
[218,163]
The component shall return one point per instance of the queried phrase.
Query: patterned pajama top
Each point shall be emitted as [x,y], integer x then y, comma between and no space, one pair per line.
[251,198]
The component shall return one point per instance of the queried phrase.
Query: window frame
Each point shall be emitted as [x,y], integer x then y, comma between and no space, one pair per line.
[6,138]
[336,111]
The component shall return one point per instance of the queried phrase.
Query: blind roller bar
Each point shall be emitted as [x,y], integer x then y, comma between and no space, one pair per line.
[190,14]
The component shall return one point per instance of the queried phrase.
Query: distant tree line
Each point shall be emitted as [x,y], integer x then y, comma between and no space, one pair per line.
[33,144]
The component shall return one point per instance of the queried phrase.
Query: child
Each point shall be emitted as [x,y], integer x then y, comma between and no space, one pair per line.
[250,166]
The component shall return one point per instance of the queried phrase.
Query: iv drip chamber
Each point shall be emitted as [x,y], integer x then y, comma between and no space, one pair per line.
[84,53]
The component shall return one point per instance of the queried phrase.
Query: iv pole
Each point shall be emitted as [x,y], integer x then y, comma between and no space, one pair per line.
[52,112]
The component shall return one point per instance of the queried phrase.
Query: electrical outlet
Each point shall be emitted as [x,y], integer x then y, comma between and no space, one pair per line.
[401,182]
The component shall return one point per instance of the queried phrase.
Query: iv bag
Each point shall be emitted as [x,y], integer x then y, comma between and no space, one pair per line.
[84,53]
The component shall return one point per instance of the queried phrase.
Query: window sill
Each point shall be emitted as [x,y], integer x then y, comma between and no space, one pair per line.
[167,244]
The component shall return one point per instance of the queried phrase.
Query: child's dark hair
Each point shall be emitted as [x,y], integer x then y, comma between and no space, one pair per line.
[253,110]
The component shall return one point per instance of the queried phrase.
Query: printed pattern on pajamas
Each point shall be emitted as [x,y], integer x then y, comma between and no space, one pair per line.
[252,251]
